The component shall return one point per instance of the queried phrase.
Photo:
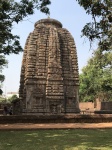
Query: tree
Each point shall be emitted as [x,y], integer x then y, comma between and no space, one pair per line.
[96,77]
[1,92]
[12,98]
[3,63]
[13,12]
[101,27]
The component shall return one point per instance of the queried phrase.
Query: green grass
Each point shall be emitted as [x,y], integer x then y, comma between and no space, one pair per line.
[77,139]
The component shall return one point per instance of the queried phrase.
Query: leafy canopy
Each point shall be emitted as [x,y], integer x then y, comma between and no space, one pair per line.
[101,27]
[13,12]
[12,98]
[96,77]
[3,63]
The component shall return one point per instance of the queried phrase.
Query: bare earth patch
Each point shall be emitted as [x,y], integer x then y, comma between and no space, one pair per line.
[26,126]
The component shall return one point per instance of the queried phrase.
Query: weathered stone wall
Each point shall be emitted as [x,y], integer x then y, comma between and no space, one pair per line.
[49,74]
[106,106]
[86,105]
[97,118]
[95,106]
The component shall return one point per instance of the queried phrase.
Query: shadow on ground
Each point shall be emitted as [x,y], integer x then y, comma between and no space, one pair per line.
[75,139]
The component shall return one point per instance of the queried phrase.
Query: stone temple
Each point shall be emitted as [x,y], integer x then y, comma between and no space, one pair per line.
[49,81]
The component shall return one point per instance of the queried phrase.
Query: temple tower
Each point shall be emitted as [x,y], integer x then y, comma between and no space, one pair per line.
[49,79]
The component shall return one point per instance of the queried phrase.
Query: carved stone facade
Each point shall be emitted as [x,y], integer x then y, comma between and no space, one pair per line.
[49,74]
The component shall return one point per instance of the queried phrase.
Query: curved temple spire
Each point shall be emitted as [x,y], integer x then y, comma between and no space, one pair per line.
[49,74]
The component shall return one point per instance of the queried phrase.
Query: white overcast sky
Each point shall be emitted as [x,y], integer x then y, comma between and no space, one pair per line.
[73,18]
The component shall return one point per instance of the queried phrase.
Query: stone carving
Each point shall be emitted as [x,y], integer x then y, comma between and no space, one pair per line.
[49,79]
[29,94]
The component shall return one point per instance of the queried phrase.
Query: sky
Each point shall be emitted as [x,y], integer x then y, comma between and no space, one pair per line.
[73,18]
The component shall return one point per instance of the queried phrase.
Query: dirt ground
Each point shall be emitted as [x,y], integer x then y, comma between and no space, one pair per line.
[30,126]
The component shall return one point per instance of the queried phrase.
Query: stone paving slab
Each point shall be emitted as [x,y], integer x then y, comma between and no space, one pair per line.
[30,126]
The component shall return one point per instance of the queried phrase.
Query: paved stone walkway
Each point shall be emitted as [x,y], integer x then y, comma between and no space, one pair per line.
[30,126]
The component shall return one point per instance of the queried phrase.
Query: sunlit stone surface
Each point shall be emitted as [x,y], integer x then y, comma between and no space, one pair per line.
[49,74]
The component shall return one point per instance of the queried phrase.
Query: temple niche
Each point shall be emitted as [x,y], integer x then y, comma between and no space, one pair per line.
[49,80]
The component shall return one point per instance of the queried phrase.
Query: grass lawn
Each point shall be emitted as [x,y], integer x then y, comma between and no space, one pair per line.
[75,139]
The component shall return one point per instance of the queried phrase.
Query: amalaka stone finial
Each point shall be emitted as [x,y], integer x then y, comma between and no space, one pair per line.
[49,21]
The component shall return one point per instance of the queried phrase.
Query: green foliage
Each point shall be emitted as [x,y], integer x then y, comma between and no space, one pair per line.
[2,99]
[96,77]
[101,27]
[2,77]
[1,92]
[3,63]
[13,12]
[12,98]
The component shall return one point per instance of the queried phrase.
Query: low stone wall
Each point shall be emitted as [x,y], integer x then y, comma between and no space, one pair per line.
[103,112]
[97,105]
[86,105]
[98,118]
[106,105]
